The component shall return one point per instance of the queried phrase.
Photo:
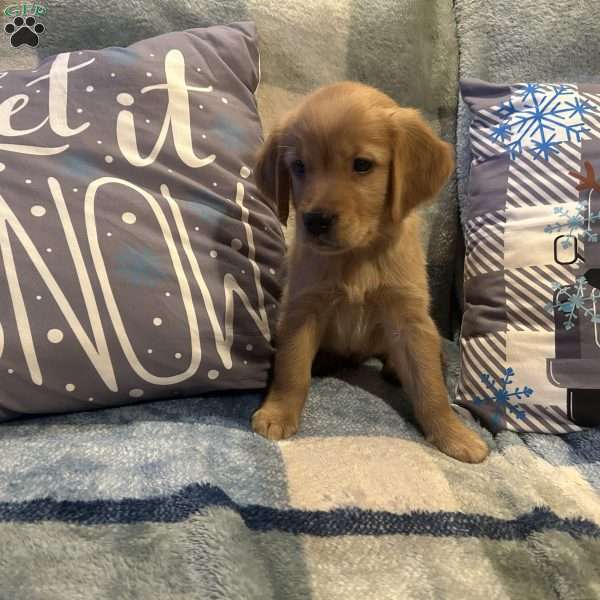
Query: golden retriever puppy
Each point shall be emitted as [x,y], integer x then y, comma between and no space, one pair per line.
[356,165]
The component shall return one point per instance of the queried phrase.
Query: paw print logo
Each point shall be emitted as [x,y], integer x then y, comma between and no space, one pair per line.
[24,31]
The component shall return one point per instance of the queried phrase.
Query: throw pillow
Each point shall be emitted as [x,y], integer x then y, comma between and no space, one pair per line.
[530,341]
[137,260]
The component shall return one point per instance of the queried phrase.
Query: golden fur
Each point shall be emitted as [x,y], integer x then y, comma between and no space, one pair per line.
[359,289]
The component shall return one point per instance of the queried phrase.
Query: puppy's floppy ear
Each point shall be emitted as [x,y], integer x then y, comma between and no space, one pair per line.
[272,176]
[421,162]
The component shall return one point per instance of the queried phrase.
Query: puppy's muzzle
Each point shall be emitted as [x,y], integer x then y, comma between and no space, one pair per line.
[318,224]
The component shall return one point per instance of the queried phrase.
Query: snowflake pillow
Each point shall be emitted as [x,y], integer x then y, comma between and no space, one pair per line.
[136,260]
[530,341]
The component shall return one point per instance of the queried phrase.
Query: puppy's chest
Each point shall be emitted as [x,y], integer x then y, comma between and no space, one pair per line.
[354,325]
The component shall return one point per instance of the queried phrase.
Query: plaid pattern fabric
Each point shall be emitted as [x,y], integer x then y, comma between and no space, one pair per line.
[179,500]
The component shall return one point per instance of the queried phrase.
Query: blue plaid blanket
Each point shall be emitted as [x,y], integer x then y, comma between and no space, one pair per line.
[180,500]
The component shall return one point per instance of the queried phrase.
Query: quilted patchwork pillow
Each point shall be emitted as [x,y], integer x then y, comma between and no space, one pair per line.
[530,342]
[137,261]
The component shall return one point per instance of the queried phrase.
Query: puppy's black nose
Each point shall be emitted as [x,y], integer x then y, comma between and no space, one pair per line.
[317,223]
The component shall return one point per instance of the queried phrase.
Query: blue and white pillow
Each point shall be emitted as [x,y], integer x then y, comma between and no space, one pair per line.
[530,342]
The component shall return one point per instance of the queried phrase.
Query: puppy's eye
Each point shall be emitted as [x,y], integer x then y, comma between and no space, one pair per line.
[362,165]
[298,167]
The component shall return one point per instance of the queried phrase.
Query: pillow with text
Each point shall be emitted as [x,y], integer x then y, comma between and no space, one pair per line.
[137,260]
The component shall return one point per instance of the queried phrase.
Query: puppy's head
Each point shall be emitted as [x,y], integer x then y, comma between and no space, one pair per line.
[354,163]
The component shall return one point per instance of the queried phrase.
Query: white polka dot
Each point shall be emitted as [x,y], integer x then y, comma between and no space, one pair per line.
[213,374]
[196,228]
[236,244]
[249,347]
[55,336]
[148,74]
[89,88]
[157,321]
[2,167]
[201,106]
[224,100]
[28,181]
[113,74]
[214,184]
[38,211]
[203,136]
[80,53]
[11,371]
[136,393]
[108,234]
[108,158]
[99,142]
[38,297]
[90,399]
[170,170]
[148,121]
[167,294]
[75,189]
[80,110]
[48,250]
[198,69]
[245,362]
[177,355]
[129,218]
[272,271]
[245,172]
[151,55]
[38,91]
[70,387]
[243,272]
[125,99]
[149,350]
[214,254]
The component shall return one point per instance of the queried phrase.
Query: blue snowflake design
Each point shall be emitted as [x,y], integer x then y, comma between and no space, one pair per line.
[534,116]
[575,301]
[500,399]
[574,224]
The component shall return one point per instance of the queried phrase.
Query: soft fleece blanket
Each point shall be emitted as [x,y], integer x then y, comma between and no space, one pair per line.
[179,500]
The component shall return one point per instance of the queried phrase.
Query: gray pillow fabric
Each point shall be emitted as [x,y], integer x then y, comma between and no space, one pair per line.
[137,261]
[530,342]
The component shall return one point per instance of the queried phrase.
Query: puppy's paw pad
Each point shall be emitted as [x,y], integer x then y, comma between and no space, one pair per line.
[274,426]
[465,445]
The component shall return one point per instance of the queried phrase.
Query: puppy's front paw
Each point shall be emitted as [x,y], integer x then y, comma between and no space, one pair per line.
[274,424]
[461,443]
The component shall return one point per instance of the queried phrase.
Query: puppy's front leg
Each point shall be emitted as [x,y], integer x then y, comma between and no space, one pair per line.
[298,341]
[414,350]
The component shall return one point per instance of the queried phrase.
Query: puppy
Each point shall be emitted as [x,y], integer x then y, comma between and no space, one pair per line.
[356,166]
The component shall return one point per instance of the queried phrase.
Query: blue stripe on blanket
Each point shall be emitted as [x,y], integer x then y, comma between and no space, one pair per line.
[352,521]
